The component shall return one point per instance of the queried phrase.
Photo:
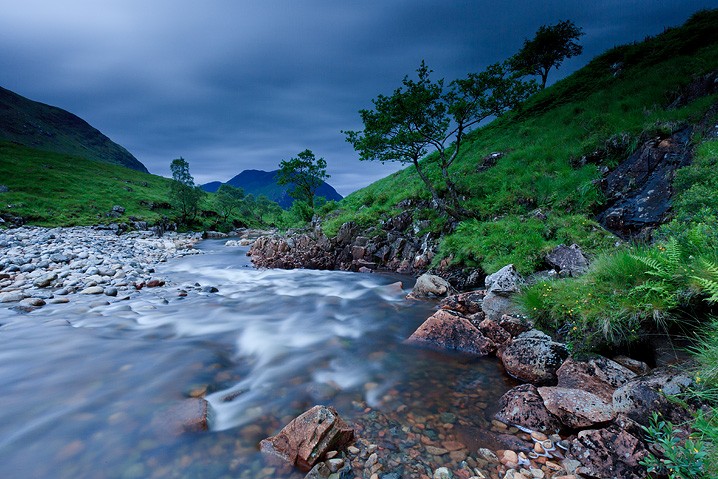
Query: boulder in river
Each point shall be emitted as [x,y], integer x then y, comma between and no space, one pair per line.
[307,438]
[429,285]
[188,415]
[446,330]
[464,303]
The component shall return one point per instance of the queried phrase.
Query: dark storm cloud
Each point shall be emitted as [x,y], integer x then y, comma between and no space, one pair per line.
[231,85]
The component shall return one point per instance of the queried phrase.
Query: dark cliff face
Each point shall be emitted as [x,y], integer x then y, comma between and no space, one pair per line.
[49,128]
[640,189]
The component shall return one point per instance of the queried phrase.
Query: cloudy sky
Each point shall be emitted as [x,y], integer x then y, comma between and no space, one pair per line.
[236,84]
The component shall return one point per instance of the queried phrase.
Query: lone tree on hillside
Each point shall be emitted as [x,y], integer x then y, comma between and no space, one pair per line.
[548,49]
[424,116]
[184,195]
[305,174]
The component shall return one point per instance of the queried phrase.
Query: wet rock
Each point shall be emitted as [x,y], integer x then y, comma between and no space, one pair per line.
[567,260]
[464,303]
[429,285]
[189,415]
[45,280]
[576,408]
[308,437]
[600,376]
[93,290]
[608,452]
[640,189]
[534,357]
[642,396]
[524,406]
[11,297]
[444,330]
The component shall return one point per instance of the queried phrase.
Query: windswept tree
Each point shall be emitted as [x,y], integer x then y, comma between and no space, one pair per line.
[548,49]
[184,194]
[305,174]
[424,116]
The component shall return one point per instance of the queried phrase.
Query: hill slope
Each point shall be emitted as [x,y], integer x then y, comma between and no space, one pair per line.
[259,182]
[534,178]
[49,128]
[55,189]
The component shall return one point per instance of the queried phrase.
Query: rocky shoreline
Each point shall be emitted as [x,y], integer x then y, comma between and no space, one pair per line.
[40,266]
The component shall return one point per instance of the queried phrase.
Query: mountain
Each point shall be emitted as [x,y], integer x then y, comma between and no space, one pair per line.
[258,182]
[44,127]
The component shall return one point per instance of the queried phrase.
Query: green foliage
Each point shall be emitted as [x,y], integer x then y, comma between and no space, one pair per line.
[679,459]
[228,200]
[548,49]
[606,107]
[422,116]
[54,189]
[305,173]
[184,195]
[521,240]
[624,294]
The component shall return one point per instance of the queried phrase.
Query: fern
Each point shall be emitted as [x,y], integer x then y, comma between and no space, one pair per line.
[710,284]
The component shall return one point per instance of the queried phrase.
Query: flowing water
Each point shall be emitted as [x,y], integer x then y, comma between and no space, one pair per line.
[87,389]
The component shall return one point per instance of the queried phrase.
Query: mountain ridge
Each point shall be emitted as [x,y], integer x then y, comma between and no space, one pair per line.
[45,127]
[260,182]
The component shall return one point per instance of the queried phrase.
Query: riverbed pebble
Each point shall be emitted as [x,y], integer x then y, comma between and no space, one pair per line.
[39,264]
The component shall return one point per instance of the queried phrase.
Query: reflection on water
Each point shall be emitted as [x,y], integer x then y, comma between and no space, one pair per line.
[84,385]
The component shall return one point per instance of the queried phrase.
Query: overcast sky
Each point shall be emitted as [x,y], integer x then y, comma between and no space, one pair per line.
[233,84]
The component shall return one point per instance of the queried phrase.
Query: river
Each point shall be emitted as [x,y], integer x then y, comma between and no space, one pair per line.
[84,385]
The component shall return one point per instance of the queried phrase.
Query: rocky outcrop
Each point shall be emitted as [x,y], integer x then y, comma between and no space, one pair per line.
[640,189]
[395,245]
[448,331]
[307,438]
[534,357]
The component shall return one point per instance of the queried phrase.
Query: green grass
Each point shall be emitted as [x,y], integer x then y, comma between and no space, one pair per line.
[54,189]
[612,105]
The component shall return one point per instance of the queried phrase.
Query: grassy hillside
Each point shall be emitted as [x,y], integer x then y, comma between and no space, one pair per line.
[603,111]
[55,189]
[49,128]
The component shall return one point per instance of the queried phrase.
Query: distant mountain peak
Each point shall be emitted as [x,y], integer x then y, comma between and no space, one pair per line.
[260,182]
